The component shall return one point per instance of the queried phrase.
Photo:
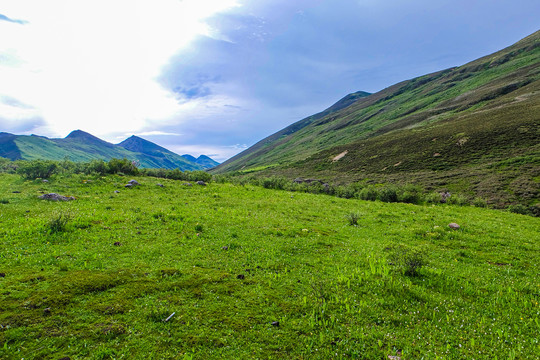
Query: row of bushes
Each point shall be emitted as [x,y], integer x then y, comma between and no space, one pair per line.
[413,194]
[44,169]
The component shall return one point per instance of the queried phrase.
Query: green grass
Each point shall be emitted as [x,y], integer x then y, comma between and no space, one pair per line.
[229,261]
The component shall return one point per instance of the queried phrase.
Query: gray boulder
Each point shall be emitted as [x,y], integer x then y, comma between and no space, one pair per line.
[56,197]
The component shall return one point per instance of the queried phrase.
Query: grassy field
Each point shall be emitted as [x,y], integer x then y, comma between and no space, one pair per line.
[241,272]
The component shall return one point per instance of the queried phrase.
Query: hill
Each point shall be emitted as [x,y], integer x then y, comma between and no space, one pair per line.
[82,146]
[472,128]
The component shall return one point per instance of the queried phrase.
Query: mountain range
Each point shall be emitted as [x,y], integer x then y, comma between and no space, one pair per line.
[82,146]
[472,128]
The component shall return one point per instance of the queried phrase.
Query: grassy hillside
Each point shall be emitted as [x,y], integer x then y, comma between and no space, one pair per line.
[223,271]
[463,124]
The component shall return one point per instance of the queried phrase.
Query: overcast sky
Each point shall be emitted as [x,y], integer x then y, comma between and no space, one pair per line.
[215,76]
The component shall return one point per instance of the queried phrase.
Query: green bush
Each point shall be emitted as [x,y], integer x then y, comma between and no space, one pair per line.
[456,199]
[411,194]
[58,223]
[274,182]
[352,218]
[479,202]
[388,194]
[519,209]
[37,169]
[409,260]
[124,166]
[368,193]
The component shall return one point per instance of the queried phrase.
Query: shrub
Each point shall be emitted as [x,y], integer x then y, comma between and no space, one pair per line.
[388,194]
[58,223]
[347,192]
[124,166]
[457,199]
[368,193]
[37,169]
[519,209]
[96,167]
[352,218]
[199,175]
[409,260]
[411,194]
[274,182]
[479,202]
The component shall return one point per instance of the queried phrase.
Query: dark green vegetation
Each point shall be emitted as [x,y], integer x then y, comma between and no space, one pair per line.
[44,169]
[81,146]
[239,272]
[473,129]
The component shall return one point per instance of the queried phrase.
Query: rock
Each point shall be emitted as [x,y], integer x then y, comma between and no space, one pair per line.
[241,276]
[65,358]
[160,185]
[117,191]
[275,323]
[391,357]
[128,185]
[453,226]
[225,248]
[118,243]
[202,183]
[444,196]
[187,184]
[133,182]
[56,197]
[2,274]
[45,180]
[16,192]
[47,311]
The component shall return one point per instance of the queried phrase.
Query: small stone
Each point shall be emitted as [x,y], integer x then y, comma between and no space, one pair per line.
[16,192]
[65,358]
[187,184]
[241,277]
[133,182]
[118,243]
[117,191]
[160,185]
[453,226]
[391,357]
[128,185]
[2,274]
[47,311]
[225,248]
[202,183]
[275,323]
[45,180]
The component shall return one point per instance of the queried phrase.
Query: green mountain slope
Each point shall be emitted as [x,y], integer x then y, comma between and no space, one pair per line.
[156,156]
[81,146]
[450,127]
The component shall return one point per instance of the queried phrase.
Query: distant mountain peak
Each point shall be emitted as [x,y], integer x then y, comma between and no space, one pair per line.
[78,134]
[203,160]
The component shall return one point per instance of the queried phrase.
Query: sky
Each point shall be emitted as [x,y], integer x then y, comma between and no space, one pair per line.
[214,77]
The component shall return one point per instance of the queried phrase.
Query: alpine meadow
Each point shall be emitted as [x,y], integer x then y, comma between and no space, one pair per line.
[398,225]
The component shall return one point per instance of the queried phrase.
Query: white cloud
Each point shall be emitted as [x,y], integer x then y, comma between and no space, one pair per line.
[92,65]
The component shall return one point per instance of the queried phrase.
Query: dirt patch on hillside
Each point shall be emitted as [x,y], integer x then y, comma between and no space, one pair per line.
[340,156]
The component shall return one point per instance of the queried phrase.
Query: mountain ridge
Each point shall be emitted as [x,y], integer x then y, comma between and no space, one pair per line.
[452,129]
[82,146]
